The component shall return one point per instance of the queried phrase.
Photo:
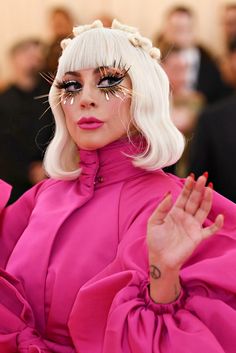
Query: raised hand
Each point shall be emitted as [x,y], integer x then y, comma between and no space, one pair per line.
[175,230]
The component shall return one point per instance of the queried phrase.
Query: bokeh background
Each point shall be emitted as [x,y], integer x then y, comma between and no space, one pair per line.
[23,18]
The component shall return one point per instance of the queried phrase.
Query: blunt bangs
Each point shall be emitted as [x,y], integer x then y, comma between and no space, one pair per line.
[96,48]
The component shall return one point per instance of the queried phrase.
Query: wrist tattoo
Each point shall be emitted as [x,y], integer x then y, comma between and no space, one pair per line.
[154,272]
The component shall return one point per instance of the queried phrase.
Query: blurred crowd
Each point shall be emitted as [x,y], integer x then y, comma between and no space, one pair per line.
[203,96]
[202,93]
[27,123]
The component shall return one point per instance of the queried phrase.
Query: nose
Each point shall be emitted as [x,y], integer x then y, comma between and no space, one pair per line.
[88,98]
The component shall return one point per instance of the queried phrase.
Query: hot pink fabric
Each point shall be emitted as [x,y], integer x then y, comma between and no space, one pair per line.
[74,265]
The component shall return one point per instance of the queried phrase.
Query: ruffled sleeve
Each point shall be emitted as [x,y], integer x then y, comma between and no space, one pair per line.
[15,217]
[114,313]
[5,191]
[17,332]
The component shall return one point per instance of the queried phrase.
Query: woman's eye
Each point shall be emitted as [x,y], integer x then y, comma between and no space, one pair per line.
[109,81]
[72,86]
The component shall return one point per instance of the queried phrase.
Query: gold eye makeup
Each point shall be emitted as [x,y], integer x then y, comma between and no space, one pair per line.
[107,79]
[110,81]
[70,88]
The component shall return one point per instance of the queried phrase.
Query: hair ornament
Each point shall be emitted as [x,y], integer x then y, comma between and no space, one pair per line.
[117,25]
[137,40]
[65,42]
[80,29]
[155,53]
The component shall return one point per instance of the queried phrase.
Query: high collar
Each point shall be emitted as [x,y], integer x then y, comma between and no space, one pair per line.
[110,164]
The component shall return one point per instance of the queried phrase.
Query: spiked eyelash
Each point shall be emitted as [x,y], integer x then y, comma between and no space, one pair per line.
[47,76]
[114,88]
[118,73]
[65,84]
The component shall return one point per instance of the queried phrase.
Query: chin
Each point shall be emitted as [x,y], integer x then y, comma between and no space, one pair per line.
[95,143]
[91,146]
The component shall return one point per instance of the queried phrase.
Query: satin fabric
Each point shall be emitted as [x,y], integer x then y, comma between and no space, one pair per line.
[74,265]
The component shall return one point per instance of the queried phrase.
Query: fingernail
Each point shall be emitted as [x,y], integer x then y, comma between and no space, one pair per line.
[210,185]
[192,175]
[205,174]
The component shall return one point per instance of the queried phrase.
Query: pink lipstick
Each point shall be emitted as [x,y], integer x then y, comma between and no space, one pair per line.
[89,123]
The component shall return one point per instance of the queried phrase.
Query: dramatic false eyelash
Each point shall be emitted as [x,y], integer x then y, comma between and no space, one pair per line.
[65,95]
[116,87]
[115,90]
[117,80]
[65,84]
[119,66]
[48,76]
[118,70]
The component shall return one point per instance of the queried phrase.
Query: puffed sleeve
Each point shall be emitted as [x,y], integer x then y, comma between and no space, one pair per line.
[5,194]
[17,333]
[15,217]
[114,313]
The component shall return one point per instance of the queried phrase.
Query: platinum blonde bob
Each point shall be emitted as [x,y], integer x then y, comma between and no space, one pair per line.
[94,46]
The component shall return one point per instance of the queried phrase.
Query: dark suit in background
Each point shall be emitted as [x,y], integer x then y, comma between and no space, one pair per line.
[213,147]
[209,81]
[25,129]
[25,133]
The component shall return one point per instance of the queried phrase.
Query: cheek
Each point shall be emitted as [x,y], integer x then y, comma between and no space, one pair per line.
[68,110]
[114,105]
[64,108]
[68,116]
[120,106]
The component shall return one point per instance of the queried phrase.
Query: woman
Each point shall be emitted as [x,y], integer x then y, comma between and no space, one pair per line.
[113,256]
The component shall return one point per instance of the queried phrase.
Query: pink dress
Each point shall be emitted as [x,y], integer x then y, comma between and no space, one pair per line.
[75,272]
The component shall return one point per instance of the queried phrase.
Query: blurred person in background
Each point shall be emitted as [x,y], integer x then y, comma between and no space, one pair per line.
[203,75]
[227,60]
[229,23]
[61,23]
[213,147]
[228,64]
[186,102]
[26,124]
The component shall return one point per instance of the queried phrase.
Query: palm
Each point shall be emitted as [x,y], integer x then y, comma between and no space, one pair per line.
[174,231]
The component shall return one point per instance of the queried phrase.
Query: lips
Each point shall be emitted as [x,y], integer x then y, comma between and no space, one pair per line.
[89,123]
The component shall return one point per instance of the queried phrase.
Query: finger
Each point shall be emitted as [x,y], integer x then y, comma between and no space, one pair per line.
[195,198]
[205,206]
[162,210]
[213,228]
[185,193]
